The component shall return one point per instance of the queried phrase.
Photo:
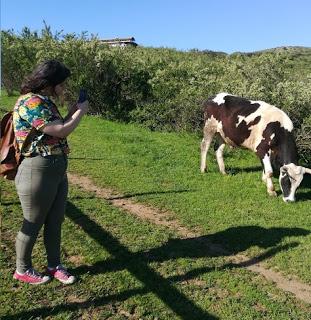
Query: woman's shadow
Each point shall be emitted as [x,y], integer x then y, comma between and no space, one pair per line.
[224,243]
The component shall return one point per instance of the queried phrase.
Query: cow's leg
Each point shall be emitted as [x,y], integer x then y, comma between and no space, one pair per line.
[205,144]
[267,175]
[220,156]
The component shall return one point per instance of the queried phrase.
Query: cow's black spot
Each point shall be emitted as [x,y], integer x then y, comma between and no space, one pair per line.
[283,145]
[285,185]
[228,113]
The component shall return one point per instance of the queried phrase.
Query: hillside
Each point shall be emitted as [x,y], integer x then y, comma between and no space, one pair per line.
[298,55]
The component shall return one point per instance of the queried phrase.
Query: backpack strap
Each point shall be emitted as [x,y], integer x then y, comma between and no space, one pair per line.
[8,139]
[28,140]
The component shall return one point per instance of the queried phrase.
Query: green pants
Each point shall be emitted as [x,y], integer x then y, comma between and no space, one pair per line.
[42,187]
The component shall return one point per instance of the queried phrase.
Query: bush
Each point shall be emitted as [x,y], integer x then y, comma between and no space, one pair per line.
[303,138]
[162,89]
[18,57]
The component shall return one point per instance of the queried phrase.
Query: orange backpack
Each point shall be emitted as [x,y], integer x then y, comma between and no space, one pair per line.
[9,151]
[10,155]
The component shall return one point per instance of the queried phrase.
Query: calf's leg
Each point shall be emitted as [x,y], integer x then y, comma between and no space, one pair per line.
[220,158]
[205,144]
[267,175]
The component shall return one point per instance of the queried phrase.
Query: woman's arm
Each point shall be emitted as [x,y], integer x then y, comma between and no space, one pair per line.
[71,111]
[62,129]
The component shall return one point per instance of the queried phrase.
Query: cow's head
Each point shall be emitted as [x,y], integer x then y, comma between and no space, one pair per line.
[290,178]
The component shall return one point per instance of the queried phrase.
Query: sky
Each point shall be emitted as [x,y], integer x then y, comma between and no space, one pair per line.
[219,25]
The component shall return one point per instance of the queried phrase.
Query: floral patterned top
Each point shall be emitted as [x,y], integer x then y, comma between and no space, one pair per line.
[34,110]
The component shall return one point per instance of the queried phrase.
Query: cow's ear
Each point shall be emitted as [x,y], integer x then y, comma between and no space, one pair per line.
[307,170]
[284,169]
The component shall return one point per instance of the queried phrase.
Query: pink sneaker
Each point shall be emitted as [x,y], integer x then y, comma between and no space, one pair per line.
[31,276]
[61,274]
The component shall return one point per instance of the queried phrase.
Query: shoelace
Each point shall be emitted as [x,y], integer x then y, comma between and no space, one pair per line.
[33,273]
[63,270]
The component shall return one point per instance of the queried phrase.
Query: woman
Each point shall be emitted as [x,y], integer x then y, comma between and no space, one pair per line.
[41,180]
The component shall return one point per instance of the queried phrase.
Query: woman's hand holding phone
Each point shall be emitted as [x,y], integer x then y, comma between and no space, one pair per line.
[83,103]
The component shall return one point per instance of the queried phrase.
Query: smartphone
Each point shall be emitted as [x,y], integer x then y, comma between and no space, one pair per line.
[82,96]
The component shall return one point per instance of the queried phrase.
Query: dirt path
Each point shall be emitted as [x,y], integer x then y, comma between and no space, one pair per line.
[300,290]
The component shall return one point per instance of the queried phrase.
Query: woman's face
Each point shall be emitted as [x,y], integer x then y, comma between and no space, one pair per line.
[59,92]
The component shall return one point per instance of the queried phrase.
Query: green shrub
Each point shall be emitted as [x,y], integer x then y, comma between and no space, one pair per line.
[303,138]
[163,89]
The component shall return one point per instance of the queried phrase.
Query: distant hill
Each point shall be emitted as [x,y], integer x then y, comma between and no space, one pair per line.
[289,49]
[299,58]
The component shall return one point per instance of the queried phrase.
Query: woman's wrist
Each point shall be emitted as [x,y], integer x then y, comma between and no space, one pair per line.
[83,106]
[79,113]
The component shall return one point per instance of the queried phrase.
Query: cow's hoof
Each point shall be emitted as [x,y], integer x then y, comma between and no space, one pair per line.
[272,193]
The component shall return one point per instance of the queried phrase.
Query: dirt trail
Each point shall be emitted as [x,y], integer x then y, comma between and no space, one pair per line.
[300,290]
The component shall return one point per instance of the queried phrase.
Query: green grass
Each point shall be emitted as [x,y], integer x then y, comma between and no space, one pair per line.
[128,268]
[163,169]
[6,103]
[131,269]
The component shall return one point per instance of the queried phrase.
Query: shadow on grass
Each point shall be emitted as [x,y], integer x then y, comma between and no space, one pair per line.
[85,158]
[139,268]
[306,182]
[49,312]
[132,195]
[225,243]
[9,203]
[234,240]
[302,195]
[236,170]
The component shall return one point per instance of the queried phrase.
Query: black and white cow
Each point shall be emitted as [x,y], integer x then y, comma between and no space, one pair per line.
[260,127]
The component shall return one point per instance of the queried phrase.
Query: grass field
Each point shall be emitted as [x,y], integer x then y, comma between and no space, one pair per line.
[132,269]
[163,169]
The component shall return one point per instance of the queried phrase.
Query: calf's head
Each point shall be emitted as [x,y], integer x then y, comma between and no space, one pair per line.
[290,178]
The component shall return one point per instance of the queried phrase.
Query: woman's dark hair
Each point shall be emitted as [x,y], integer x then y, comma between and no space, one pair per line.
[47,73]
